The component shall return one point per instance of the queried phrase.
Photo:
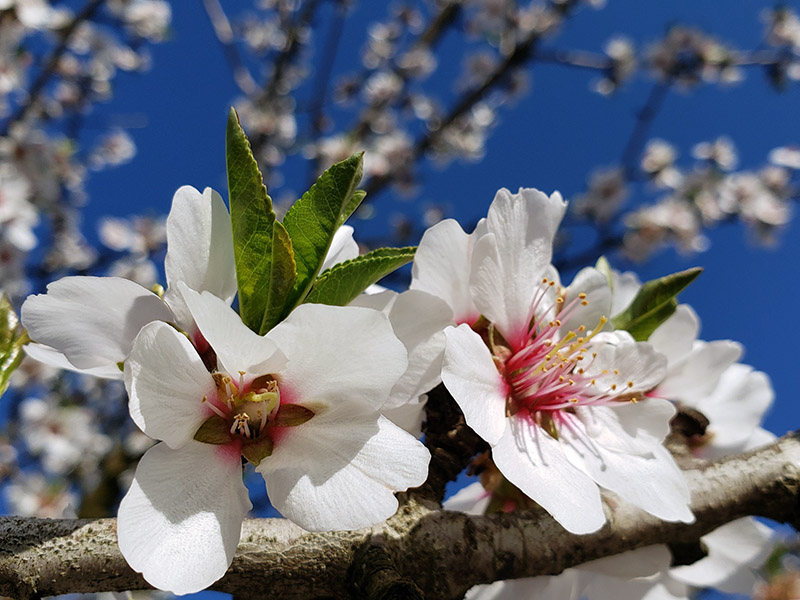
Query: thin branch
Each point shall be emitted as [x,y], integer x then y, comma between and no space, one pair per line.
[224,32]
[51,64]
[441,553]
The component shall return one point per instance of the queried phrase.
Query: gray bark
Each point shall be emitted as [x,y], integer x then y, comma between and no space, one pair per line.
[420,549]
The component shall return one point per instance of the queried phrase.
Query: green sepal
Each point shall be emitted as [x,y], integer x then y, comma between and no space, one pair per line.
[12,338]
[258,449]
[547,423]
[252,222]
[214,430]
[282,278]
[342,283]
[654,304]
[291,415]
[313,220]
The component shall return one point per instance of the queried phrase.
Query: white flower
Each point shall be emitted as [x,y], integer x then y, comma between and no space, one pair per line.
[706,376]
[560,402]
[301,403]
[88,323]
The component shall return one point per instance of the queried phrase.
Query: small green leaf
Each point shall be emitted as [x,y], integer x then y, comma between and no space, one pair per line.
[12,338]
[252,221]
[282,278]
[654,304]
[214,430]
[291,415]
[313,220]
[342,283]
[258,449]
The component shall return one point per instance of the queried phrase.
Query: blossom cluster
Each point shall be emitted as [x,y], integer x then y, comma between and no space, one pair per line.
[691,200]
[574,400]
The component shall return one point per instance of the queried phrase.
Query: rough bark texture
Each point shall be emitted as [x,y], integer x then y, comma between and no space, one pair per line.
[421,548]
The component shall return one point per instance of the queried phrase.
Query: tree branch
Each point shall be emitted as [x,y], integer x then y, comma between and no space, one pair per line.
[442,553]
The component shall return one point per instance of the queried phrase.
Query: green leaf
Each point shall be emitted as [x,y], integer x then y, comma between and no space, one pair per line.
[282,278]
[353,204]
[12,338]
[340,284]
[654,304]
[313,220]
[252,222]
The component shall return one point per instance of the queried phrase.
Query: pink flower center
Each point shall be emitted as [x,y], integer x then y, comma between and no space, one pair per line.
[549,373]
[247,407]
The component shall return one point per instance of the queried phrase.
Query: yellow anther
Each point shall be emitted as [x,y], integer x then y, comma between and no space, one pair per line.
[551,283]
[630,384]
[559,300]
[613,386]
[582,328]
[573,400]
[616,371]
[584,302]
[582,296]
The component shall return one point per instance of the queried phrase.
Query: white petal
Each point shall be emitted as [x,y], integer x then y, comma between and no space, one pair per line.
[442,267]
[92,320]
[469,374]
[54,358]
[199,243]
[507,266]
[642,562]
[594,284]
[675,336]
[166,382]
[632,427]
[653,482]
[735,551]
[625,287]
[341,356]
[238,348]
[698,375]
[736,406]
[561,587]
[472,499]
[418,320]
[619,362]
[328,474]
[180,522]
[343,247]
[535,462]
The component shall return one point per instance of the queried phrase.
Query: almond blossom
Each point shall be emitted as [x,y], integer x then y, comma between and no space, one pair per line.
[302,404]
[88,324]
[560,401]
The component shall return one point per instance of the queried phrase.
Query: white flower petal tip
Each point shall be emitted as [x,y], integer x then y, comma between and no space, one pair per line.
[348,475]
[536,463]
[341,356]
[236,346]
[180,522]
[166,402]
[471,377]
[94,338]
